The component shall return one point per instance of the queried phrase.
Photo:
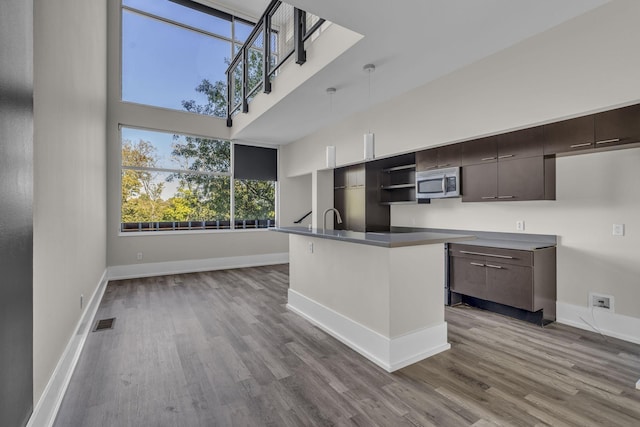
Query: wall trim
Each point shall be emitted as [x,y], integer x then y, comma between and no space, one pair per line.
[390,354]
[614,325]
[45,411]
[150,269]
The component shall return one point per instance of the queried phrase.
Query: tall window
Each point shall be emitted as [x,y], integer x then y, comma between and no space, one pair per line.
[181,182]
[175,54]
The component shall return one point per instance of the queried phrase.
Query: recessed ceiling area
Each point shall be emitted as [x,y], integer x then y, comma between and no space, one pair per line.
[411,43]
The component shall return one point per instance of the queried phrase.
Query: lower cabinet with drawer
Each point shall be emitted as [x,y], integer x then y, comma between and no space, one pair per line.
[520,283]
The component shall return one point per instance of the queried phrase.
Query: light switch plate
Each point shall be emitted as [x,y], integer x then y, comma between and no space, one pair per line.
[618,230]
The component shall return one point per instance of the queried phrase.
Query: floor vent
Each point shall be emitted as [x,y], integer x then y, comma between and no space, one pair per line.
[103,324]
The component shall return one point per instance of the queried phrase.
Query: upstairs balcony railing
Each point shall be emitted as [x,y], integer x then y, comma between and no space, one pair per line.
[280,34]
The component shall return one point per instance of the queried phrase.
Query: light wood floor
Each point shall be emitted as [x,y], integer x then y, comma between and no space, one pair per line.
[221,349]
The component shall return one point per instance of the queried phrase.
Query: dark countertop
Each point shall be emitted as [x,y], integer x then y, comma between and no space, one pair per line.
[382,239]
[492,239]
[521,245]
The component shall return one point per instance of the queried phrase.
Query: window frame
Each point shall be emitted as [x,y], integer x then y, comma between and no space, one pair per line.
[232,41]
[230,174]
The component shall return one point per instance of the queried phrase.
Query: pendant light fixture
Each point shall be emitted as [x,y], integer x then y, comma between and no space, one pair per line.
[369,137]
[331,149]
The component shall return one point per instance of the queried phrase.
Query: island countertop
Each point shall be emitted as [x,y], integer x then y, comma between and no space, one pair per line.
[382,239]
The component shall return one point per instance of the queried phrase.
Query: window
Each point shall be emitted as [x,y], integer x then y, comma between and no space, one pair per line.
[181,182]
[255,176]
[175,54]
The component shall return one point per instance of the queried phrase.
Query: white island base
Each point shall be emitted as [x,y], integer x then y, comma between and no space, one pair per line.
[386,303]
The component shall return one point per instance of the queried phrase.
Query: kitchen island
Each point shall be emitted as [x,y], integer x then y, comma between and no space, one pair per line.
[379,293]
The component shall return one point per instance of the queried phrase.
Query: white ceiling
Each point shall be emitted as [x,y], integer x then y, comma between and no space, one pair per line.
[411,43]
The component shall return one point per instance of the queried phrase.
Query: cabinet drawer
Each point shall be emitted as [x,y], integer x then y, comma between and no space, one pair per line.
[510,285]
[506,256]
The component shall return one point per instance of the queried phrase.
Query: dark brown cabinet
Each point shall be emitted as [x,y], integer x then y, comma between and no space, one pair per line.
[593,132]
[478,151]
[441,157]
[515,278]
[616,127]
[569,135]
[521,144]
[355,196]
[507,167]
[480,182]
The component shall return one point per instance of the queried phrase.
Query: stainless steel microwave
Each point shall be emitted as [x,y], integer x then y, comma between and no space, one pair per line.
[438,184]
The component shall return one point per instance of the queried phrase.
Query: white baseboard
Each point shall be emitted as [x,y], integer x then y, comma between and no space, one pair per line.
[131,271]
[610,324]
[390,354]
[45,411]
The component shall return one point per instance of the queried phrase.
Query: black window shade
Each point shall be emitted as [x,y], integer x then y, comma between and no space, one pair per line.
[257,163]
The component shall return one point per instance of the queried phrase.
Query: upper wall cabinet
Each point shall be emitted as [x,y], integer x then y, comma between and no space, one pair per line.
[441,157]
[512,145]
[569,135]
[619,126]
[507,167]
[521,144]
[478,151]
[595,131]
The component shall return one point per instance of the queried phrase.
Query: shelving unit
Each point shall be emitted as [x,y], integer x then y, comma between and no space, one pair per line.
[397,184]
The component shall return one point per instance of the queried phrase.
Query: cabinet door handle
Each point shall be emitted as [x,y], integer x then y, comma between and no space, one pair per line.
[585,144]
[494,266]
[506,156]
[506,197]
[488,158]
[488,197]
[608,141]
[483,254]
[477,264]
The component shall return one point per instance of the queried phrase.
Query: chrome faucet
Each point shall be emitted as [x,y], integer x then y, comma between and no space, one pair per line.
[324,218]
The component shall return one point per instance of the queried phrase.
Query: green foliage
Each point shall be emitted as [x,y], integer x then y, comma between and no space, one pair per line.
[198,197]
[141,191]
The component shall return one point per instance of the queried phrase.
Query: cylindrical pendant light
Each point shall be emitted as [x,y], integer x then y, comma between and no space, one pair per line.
[369,137]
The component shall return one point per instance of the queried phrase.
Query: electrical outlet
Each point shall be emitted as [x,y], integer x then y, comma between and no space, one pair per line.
[520,225]
[139,256]
[601,301]
[618,230]
[310,248]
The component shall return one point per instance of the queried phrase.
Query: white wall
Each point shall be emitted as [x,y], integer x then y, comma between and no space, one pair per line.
[70,171]
[298,201]
[587,64]
[122,250]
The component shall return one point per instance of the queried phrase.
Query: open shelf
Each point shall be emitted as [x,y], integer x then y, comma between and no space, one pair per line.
[399,168]
[397,183]
[397,186]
